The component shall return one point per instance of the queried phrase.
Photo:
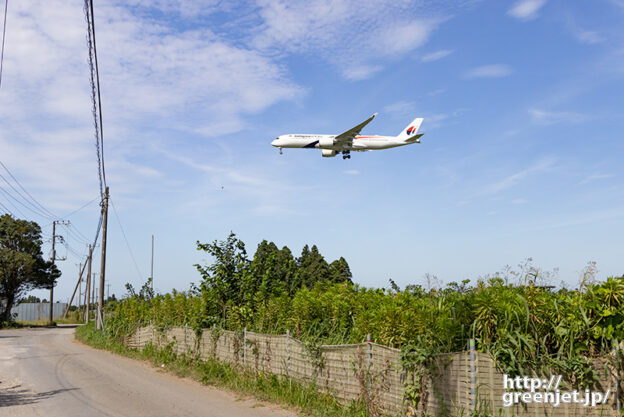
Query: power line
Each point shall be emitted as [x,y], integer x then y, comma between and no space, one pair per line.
[77,210]
[22,204]
[6,209]
[97,75]
[28,204]
[6,7]
[141,276]
[96,105]
[27,193]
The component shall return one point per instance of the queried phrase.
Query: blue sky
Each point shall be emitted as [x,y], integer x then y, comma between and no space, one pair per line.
[521,155]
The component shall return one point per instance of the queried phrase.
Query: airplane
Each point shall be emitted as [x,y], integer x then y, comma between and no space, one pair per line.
[351,140]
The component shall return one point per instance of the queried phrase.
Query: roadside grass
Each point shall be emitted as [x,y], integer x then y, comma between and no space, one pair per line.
[45,322]
[18,324]
[266,387]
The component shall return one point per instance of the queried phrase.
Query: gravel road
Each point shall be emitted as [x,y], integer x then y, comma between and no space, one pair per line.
[45,372]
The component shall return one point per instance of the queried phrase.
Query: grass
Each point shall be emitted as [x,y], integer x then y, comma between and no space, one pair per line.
[266,387]
[45,322]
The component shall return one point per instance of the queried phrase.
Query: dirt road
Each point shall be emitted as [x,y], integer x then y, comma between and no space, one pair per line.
[44,372]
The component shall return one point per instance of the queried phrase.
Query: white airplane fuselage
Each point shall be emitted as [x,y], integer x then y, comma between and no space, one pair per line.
[360,142]
[351,140]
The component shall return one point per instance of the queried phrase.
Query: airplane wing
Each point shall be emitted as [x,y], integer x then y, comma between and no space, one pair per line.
[346,139]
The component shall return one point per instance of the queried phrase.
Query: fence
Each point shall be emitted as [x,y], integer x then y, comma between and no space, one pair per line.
[37,311]
[460,382]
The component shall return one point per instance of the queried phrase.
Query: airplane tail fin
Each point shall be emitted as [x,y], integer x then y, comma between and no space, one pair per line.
[409,134]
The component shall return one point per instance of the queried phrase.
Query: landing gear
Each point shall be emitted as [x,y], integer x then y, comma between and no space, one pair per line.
[346,155]
[280,148]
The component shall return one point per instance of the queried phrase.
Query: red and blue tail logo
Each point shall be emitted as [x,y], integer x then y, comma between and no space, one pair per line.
[411,130]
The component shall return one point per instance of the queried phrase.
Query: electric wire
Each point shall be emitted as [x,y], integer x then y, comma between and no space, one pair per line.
[27,193]
[6,209]
[22,204]
[94,95]
[29,205]
[6,7]
[77,210]
[97,77]
[141,276]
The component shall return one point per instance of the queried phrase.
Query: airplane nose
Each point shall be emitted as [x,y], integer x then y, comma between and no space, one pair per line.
[274,143]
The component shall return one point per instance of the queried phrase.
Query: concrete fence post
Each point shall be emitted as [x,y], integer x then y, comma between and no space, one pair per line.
[288,352]
[616,353]
[369,358]
[139,336]
[214,345]
[245,346]
[369,347]
[185,337]
[473,375]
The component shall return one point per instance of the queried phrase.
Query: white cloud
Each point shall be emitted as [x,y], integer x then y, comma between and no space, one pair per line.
[489,71]
[588,36]
[360,71]
[352,172]
[436,92]
[526,9]
[434,56]
[355,36]
[401,108]
[550,118]
[595,177]
[519,201]
[513,179]
[154,76]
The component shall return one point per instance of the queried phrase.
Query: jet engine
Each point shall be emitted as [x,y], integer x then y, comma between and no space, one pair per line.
[328,153]
[325,142]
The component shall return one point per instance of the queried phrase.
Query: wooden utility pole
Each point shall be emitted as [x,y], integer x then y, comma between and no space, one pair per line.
[100,313]
[79,288]
[88,287]
[152,267]
[82,268]
[93,290]
[52,258]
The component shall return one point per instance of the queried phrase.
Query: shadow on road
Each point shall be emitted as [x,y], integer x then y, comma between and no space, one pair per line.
[19,396]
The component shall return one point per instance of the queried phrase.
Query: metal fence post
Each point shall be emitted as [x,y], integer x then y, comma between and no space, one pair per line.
[245,346]
[473,375]
[288,352]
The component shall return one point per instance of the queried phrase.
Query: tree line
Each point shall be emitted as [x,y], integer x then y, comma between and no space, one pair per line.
[22,267]
[233,279]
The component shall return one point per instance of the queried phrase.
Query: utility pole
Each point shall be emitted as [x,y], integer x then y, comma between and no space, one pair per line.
[53,259]
[93,290]
[88,290]
[152,267]
[79,286]
[71,300]
[100,313]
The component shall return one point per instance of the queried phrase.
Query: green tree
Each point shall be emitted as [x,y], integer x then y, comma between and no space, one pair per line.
[312,267]
[22,267]
[222,280]
[29,299]
[339,271]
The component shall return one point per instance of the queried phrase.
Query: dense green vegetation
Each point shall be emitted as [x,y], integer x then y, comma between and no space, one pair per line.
[22,267]
[212,372]
[524,326]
